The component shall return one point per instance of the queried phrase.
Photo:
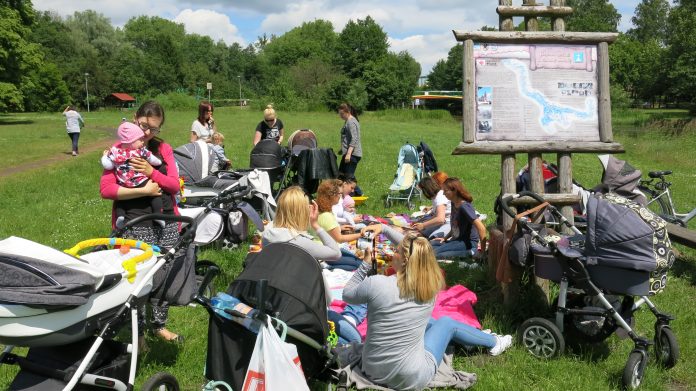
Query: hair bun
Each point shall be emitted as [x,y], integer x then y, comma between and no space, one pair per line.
[269,106]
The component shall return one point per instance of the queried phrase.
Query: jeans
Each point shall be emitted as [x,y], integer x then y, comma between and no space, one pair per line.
[74,137]
[348,169]
[347,333]
[440,332]
[454,248]
[348,261]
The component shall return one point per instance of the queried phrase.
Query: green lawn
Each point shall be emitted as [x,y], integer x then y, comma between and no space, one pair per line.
[59,205]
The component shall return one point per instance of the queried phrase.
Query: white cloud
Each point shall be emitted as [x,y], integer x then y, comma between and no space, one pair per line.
[211,23]
[426,49]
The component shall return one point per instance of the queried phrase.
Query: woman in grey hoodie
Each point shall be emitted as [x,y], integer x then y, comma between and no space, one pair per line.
[293,216]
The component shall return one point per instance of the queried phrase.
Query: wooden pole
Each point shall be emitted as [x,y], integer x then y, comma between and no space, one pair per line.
[530,22]
[557,21]
[604,101]
[469,92]
[505,22]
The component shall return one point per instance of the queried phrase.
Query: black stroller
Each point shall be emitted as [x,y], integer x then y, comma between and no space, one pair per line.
[285,283]
[267,155]
[626,253]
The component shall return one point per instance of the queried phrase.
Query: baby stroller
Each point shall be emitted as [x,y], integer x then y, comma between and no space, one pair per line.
[307,164]
[67,308]
[408,173]
[269,282]
[626,253]
[196,162]
[224,217]
[268,155]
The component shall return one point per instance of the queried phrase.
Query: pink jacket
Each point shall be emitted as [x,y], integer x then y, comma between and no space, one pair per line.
[108,186]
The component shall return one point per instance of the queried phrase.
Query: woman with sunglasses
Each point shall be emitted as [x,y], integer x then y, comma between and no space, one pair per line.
[271,128]
[164,183]
[203,127]
[404,345]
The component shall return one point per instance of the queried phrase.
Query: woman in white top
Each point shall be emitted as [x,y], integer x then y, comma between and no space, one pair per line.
[203,127]
[436,224]
[73,123]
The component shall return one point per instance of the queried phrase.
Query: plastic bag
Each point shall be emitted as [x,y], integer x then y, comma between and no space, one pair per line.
[274,364]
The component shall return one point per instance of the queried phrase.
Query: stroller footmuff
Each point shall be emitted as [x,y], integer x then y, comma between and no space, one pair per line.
[604,277]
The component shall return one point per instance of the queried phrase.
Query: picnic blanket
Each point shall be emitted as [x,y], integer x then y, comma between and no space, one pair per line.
[456,302]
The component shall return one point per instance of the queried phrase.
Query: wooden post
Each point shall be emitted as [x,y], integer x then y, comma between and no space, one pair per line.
[603,100]
[507,164]
[505,23]
[557,23]
[530,22]
[565,185]
[469,92]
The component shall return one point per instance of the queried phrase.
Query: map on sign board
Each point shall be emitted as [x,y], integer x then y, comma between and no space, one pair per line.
[543,92]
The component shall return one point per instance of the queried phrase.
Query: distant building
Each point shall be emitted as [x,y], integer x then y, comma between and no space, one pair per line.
[119,99]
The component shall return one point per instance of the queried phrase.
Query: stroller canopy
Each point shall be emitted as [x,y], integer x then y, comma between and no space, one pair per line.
[266,154]
[46,277]
[408,171]
[623,234]
[195,161]
[621,178]
[302,139]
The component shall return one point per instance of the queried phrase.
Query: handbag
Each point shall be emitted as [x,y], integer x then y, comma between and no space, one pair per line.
[274,364]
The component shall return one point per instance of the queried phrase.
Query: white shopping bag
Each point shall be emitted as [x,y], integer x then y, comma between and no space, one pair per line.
[274,364]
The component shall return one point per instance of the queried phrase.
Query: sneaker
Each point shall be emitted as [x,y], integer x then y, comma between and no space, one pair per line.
[74,153]
[501,344]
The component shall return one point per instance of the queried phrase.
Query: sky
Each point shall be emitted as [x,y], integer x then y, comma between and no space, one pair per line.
[421,27]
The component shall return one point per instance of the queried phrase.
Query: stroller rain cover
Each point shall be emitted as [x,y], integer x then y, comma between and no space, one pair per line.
[626,235]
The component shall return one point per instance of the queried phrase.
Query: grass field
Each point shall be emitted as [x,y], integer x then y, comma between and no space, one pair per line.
[58,204]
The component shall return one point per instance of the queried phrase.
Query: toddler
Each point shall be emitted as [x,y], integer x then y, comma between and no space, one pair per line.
[223,162]
[131,145]
[345,208]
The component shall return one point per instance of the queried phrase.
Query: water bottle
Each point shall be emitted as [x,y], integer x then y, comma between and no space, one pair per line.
[224,301]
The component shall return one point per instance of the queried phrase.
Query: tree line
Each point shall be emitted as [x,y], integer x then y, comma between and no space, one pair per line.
[47,60]
[653,63]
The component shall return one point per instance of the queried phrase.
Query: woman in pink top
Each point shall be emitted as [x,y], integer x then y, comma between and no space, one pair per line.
[164,182]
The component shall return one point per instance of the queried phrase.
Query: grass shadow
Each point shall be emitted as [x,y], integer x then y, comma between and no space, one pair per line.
[685,269]
[11,121]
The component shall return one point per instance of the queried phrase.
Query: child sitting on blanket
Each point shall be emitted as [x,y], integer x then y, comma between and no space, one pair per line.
[344,209]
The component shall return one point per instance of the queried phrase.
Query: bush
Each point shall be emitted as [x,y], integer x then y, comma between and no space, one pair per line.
[619,98]
[176,101]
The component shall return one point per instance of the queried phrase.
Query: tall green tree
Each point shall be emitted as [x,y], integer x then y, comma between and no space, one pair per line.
[18,56]
[449,74]
[650,21]
[681,38]
[359,44]
[592,15]
[391,80]
[311,40]
[161,43]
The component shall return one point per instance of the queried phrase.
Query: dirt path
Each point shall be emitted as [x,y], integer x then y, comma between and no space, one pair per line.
[57,158]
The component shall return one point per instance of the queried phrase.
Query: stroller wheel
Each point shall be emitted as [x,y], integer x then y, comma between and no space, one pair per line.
[541,338]
[666,347]
[161,381]
[634,370]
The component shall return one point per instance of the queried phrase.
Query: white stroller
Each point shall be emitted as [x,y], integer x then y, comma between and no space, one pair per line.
[67,308]
[197,165]
[408,173]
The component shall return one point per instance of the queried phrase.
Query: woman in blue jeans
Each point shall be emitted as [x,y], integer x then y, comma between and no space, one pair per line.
[466,228]
[404,346]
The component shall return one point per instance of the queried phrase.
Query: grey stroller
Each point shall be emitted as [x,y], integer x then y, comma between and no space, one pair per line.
[625,254]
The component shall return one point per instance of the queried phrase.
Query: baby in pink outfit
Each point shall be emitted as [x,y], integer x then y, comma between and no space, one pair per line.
[131,145]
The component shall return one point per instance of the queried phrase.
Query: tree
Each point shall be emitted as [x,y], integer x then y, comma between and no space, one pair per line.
[161,44]
[592,15]
[681,38]
[359,44]
[18,56]
[310,40]
[47,91]
[650,21]
[391,80]
[449,75]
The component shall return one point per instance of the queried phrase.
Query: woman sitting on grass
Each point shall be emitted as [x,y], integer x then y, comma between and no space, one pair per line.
[328,194]
[436,224]
[466,228]
[404,345]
